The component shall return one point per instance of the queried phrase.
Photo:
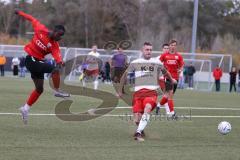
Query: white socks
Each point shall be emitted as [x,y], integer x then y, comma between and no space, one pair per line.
[143,122]
[83,82]
[167,108]
[164,106]
[95,84]
[26,107]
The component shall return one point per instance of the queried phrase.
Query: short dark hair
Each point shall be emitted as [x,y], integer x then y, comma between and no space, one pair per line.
[172,41]
[165,44]
[59,28]
[147,44]
[119,47]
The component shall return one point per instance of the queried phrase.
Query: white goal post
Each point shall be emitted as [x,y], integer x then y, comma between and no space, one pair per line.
[203,62]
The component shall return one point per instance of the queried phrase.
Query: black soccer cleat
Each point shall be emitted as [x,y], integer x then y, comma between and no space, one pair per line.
[157,110]
[174,117]
[143,134]
[138,137]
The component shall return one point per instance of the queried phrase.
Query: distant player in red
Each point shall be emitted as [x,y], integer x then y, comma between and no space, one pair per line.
[165,49]
[173,62]
[44,42]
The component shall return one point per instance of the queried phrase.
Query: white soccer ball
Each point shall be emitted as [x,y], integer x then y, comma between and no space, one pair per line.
[224,127]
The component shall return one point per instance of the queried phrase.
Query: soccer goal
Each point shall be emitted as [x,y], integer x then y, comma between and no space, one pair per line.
[74,54]
[204,64]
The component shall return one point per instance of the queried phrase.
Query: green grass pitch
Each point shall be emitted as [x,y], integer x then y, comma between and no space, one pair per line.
[110,138]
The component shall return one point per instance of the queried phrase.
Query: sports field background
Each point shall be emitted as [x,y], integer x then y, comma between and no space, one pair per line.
[110,137]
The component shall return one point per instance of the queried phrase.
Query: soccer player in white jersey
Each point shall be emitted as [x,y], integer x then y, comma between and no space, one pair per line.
[147,72]
[92,67]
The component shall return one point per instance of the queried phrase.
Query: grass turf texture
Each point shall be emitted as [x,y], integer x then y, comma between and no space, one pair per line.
[47,137]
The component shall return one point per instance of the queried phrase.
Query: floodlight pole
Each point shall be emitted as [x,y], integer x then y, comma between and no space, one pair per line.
[194,27]
[86,24]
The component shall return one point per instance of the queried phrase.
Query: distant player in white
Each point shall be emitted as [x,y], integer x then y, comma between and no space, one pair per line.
[147,72]
[92,67]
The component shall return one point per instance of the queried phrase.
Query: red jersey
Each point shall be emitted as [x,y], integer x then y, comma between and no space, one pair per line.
[217,73]
[41,44]
[172,62]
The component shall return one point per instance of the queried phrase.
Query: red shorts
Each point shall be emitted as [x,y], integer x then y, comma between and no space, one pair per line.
[94,72]
[142,97]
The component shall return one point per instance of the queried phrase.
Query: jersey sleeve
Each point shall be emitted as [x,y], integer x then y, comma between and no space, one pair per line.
[56,53]
[37,26]
[161,58]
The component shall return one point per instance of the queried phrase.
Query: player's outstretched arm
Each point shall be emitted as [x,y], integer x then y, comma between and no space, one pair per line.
[25,15]
[37,26]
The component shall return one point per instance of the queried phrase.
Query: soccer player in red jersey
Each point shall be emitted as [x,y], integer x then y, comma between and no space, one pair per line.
[165,49]
[147,72]
[173,62]
[44,42]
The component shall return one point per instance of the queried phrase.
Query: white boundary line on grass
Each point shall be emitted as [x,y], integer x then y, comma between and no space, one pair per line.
[121,115]
[128,107]
[193,108]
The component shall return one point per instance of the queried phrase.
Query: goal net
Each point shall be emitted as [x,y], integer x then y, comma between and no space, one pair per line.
[203,63]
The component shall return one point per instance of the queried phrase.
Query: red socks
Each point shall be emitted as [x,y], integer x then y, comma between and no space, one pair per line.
[163,100]
[171,105]
[33,98]
[56,79]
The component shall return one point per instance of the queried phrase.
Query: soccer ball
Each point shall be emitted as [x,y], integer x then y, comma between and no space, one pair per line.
[224,127]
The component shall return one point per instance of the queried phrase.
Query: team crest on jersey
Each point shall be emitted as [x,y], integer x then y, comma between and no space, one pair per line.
[171,62]
[147,68]
[40,44]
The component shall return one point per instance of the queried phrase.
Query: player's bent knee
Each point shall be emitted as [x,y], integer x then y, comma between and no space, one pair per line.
[137,117]
[40,90]
[148,108]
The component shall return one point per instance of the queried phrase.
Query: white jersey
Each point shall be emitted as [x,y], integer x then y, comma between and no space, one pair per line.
[147,73]
[92,60]
[15,61]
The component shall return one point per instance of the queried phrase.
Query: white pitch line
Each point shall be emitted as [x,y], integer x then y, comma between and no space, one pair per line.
[122,115]
[187,116]
[193,108]
[203,116]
